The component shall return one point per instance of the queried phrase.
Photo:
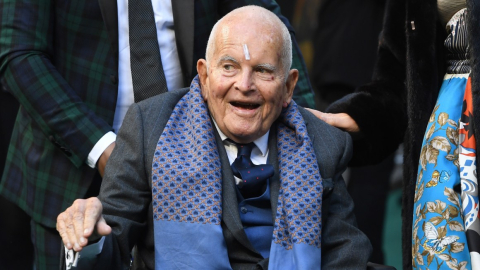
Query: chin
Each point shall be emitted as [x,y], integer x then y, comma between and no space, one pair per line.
[243,136]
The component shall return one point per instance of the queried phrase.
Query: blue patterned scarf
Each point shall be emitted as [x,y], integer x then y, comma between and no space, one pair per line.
[187,193]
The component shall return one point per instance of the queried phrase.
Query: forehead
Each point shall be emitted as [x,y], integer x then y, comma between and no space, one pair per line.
[261,40]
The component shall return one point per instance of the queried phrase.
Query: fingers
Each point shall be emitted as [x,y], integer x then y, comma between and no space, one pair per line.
[328,118]
[93,213]
[339,120]
[318,114]
[95,225]
[62,229]
[102,227]
[77,230]
[66,228]
[77,223]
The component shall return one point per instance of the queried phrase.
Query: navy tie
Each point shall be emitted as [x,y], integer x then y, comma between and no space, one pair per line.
[253,176]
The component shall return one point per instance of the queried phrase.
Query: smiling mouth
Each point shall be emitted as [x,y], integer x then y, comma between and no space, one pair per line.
[246,106]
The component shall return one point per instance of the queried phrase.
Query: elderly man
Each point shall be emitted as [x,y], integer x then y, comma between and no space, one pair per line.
[229,174]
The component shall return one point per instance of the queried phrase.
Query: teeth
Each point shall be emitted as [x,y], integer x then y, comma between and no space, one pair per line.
[244,105]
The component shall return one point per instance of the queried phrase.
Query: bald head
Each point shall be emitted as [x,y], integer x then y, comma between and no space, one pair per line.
[245,79]
[260,22]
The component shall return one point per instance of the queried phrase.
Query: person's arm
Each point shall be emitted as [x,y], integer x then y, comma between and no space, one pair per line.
[28,71]
[126,191]
[344,246]
[303,93]
[379,108]
[123,203]
[339,120]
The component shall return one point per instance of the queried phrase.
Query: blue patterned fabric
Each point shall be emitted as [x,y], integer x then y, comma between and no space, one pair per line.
[187,190]
[439,240]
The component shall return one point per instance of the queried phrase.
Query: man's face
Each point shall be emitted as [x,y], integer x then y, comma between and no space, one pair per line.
[245,86]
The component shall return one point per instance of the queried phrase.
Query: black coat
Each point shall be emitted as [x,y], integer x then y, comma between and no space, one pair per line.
[397,104]
[345,43]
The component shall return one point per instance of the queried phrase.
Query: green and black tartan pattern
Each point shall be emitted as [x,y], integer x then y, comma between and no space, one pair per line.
[57,59]
[47,245]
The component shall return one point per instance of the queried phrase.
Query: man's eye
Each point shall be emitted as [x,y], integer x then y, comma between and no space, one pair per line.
[264,71]
[228,67]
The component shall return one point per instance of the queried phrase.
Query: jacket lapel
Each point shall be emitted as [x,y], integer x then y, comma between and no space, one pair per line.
[110,18]
[231,216]
[275,180]
[183,20]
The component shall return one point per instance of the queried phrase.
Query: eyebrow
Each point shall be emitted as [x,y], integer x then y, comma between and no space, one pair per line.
[267,66]
[227,58]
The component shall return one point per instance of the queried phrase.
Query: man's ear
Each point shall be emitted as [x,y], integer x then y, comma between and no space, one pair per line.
[290,84]
[203,75]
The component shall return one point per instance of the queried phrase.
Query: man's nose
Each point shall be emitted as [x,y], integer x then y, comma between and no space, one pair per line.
[245,81]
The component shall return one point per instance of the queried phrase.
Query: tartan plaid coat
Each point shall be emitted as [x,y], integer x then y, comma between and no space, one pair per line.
[60,60]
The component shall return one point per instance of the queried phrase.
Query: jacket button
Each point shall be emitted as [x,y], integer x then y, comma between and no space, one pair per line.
[113,79]
[68,153]
[52,139]
[244,210]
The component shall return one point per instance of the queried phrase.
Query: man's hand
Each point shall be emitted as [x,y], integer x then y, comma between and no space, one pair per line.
[102,161]
[339,120]
[81,221]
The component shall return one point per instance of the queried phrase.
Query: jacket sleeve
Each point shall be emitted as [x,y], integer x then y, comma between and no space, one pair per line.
[303,93]
[28,71]
[379,108]
[126,193]
[344,246]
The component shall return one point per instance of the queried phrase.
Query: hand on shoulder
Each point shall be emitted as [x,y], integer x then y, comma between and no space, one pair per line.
[339,120]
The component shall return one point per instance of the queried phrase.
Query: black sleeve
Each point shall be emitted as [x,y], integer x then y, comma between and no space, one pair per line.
[379,108]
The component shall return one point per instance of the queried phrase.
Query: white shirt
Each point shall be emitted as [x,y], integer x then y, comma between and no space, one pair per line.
[162,10]
[259,152]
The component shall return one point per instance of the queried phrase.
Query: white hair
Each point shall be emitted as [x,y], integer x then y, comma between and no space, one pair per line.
[261,16]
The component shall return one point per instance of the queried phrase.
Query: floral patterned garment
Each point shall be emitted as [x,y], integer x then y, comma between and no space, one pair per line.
[439,240]
[439,231]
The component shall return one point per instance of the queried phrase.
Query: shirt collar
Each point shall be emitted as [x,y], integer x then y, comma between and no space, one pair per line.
[261,143]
